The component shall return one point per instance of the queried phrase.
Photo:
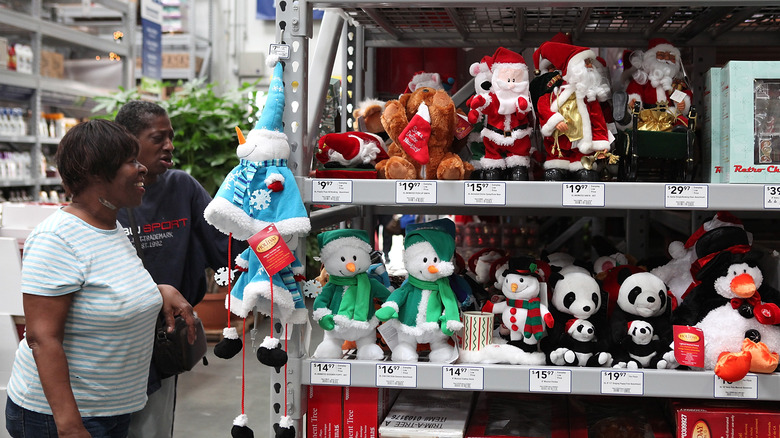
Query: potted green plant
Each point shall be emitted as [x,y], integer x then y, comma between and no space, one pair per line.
[205,140]
[204,124]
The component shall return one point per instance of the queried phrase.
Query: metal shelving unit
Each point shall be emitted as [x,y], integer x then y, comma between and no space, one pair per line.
[47,24]
[698,25]
[539,379]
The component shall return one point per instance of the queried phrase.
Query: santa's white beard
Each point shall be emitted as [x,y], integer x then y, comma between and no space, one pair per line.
[660,73]
[508,94]
[588,82]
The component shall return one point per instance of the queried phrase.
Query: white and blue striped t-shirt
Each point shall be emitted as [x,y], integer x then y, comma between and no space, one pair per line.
[109,329]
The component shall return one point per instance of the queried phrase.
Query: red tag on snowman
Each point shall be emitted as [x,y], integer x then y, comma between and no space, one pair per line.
[414,138]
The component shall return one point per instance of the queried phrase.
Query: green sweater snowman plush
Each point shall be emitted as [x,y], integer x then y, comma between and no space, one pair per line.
[424,309]
[345,307]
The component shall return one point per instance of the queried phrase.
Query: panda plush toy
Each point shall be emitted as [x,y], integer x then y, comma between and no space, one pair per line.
[641,296]
[642,349]
[582,347]
[576,295]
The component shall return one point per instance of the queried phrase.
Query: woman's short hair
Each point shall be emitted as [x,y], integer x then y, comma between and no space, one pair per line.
[138,115]
[93,149]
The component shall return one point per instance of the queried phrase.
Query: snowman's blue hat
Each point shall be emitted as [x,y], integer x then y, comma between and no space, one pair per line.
[273,111]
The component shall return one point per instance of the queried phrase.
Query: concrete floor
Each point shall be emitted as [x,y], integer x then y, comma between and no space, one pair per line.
[209,397]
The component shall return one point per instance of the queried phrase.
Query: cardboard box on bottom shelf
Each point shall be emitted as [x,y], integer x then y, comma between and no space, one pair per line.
[323,412]
[364,410]
[610,417]
[705,418]
[504,415]
[422,413]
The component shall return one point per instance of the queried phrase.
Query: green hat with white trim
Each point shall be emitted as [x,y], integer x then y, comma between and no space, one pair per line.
[440,233]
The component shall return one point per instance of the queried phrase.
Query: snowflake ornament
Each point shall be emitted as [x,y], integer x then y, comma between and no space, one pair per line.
[261,199]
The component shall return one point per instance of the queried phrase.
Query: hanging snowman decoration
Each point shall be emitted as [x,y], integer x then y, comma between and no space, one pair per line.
[260,194]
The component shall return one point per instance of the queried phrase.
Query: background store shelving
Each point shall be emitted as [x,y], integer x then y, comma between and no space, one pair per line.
[710,33]
[55,34]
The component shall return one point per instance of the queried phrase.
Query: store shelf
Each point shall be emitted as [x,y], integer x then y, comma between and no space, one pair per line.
[463,23]
[74,33]
[18,139]
[523,378]
[451,195]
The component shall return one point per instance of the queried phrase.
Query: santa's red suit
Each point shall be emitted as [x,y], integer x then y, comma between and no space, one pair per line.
[506,128]
[563,152]
[641,88]
[505,135]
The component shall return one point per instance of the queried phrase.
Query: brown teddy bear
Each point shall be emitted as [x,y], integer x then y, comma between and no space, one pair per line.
[368,116]
[442,163]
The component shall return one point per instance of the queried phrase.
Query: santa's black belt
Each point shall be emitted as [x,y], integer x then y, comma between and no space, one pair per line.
[507,133]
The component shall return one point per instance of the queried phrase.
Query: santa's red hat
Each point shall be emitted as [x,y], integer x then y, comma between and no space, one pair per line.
[542,64]
[348,144]
[561,55]
[662,45]
[504,57]
[561,37]
[721,219]
[495,253]
[569,325]
[424,79]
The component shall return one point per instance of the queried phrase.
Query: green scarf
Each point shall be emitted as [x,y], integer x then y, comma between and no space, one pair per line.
[357,298]
[442,295]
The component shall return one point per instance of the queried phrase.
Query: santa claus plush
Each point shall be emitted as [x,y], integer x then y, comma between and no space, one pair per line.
[506,130]
[659,84]
[570,115]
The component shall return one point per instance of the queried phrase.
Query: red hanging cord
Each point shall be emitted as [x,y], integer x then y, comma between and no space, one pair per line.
[285,371]
[243,368]
[271,280]
[230,275]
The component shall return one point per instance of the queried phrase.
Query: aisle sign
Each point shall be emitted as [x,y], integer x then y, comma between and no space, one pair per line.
[331,191]
[396,376]
[622,382]
[468,378]
[747,388]
[330,373]
[484,193]
[772,197]
[415,192]
[583,194]
[686,196]
[151,42]
[548,380]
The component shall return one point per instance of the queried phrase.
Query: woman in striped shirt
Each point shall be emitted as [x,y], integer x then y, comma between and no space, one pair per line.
[89,304]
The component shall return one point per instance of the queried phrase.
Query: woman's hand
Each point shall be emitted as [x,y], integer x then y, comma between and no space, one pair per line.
[175,305]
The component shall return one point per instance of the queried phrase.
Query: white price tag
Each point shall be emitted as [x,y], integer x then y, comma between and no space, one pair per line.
[622,382]
[472,378]
[550,381]
[583,195]
[281,50]
[415,192]
[771,197]
[331,191]
[397,376]
[484,193]
[745,388]
[686,196]
[331,373]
